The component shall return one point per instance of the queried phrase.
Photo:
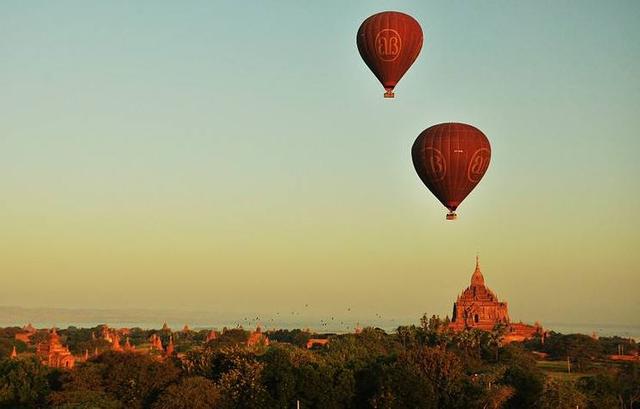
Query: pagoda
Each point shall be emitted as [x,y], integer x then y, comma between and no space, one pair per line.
[257,337]
[115,346]
[170,347]
[52,353]
[26,333]
[479,308]
[212,335]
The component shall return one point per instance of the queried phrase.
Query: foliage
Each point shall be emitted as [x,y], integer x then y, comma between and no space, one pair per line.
[419,366]
[23,383]
[615,345]
[295,337]
[392,384]
[613,387]
[135,379]
[581,350]
[561,394]
[190,393]
[524,376]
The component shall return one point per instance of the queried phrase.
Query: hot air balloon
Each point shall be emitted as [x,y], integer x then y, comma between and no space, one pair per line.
[389,42]
[451,159]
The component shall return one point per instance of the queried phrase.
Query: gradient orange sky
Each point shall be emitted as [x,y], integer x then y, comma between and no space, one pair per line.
[240,157]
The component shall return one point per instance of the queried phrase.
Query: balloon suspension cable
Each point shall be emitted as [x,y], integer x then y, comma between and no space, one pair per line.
[452,216]
[389,94]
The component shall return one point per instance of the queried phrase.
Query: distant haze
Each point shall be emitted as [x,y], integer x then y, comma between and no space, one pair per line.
[238,157]
[310,319]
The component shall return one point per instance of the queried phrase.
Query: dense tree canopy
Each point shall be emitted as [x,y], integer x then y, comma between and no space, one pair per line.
[419,366]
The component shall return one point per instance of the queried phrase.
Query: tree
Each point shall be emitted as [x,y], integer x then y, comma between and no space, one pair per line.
[359,349]
[484,390]
[320,385]
[190,393]
[393,384]
[23,383]
[628,379]
[82,388]
[443,369]
[83,399]
[494,340]
[559,394]
[600,389]
[295,337]
[136,379]
[278,376]
[240,383]
[523,374]
[436,330]
[613,387]
[231,337]
[617,345]
[582,350]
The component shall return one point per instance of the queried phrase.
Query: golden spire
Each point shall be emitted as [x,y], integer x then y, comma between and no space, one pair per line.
[170,347]
[476,278]
[14,353]
[212,335]
[116,343]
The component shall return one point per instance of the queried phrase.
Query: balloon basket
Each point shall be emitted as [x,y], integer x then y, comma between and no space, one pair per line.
[452,216]
[389,94]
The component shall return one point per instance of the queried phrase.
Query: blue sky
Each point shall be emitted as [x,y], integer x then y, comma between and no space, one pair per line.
[161,152]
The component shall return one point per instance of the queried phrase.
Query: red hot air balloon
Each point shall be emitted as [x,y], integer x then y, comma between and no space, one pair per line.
[451,159]
[389,42]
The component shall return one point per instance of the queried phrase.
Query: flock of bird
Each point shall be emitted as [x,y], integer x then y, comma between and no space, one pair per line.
[324,324]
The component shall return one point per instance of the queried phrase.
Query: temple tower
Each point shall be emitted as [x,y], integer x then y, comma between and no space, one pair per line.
[478,306]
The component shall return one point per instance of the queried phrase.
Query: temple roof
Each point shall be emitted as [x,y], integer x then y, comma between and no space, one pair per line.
[477,280]
[53,335]
[477,291]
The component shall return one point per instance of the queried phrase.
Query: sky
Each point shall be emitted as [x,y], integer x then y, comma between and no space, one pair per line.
[238,156]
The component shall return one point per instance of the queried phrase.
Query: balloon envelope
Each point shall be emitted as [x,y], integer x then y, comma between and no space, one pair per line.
[451,159]
[389,43]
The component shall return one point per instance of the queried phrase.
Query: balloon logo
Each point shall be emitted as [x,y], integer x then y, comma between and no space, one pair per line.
[478,165]
[451,159]
[438,164]
[389,43]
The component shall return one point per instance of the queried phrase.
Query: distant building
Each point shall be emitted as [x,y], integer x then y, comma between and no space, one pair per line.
[170,347]
[257,337]
[316,342]
[25,335]
[156,343]
[478,307]
[212,335]
[107,333]
[52,353]
[115,345]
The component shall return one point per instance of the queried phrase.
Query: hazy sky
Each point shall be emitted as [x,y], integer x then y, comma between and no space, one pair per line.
[239,156]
